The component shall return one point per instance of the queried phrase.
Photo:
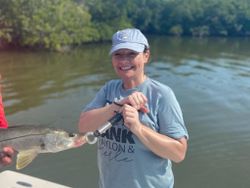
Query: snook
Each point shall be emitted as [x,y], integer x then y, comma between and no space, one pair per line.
[29,141]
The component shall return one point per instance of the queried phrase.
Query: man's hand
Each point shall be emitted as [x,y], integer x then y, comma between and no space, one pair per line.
[137,100]
[6,156]
[131,118]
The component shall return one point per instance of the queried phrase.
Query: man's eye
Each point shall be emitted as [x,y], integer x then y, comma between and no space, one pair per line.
[117,55]
[127,55]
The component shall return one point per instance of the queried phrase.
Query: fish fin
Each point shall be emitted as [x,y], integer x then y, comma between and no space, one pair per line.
[24,158]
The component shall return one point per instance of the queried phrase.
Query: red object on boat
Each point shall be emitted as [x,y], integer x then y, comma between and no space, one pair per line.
[3,120]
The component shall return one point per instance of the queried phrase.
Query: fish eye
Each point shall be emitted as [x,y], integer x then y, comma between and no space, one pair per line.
[72,134]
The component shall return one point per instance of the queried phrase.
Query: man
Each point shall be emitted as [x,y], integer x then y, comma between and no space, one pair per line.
[136,152]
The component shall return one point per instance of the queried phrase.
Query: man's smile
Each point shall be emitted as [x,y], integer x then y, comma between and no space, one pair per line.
[126,67]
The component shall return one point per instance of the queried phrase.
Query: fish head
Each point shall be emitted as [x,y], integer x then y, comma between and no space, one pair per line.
[60,140]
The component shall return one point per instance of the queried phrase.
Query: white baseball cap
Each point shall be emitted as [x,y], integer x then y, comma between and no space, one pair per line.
[130,38]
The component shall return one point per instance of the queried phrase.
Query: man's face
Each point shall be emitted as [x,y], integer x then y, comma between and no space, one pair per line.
[129,64]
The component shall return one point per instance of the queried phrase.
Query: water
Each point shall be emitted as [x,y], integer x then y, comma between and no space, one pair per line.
[210,77]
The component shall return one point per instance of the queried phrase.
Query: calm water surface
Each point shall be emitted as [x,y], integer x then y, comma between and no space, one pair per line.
[210,77]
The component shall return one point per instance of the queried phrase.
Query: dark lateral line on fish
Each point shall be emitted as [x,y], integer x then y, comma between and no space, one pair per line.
[21,137]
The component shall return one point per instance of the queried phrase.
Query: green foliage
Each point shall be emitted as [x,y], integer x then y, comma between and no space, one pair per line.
[213,17]
[176,30]
[49,24]
[56,24]
[200,31]
[5,29]
[108,16]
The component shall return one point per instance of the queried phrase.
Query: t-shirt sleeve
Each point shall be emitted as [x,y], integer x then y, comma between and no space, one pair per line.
[98,101]
[170,116]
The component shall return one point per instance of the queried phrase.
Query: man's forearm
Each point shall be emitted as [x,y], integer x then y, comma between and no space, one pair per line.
[93,119]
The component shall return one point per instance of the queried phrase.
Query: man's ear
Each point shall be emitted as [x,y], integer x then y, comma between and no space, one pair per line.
[147,56]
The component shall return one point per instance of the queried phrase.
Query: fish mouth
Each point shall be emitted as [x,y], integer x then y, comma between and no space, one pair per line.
[80,141]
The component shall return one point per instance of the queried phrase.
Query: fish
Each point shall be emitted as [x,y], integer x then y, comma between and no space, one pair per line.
[29,141]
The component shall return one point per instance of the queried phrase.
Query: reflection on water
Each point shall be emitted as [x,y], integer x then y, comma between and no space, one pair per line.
[47,75]
[211,79]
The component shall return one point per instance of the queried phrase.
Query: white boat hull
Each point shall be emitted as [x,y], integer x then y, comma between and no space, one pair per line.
[10,179]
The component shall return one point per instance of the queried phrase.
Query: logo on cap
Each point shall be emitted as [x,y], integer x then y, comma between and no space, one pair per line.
[123,36]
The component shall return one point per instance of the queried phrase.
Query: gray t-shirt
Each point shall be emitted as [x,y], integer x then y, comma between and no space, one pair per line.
[123,160]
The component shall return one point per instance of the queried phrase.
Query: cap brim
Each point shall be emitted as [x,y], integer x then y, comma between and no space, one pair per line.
[131,46]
